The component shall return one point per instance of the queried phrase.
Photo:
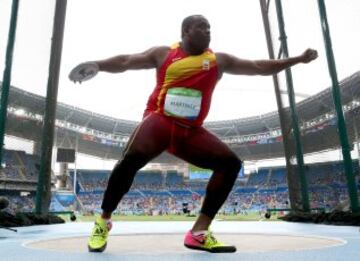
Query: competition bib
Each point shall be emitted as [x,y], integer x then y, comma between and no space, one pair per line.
[183,103]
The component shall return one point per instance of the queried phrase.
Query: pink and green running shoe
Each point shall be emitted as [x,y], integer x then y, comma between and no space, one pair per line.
[207,242]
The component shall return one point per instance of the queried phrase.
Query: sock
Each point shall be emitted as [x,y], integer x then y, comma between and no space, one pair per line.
[200,232]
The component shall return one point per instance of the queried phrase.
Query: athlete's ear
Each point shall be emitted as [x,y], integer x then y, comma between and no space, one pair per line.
[183,33]
[186,31]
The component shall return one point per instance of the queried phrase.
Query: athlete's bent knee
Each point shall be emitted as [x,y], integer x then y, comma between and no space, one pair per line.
[233,164]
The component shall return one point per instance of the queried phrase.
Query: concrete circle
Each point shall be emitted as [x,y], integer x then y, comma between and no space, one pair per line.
[173,243]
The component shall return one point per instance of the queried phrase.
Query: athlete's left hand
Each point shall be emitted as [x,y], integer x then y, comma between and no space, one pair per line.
[309,55]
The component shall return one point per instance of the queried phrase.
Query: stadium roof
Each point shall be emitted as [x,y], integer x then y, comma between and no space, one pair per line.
[307,110]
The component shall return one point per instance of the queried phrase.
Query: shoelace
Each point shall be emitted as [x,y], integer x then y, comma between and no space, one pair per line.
[211,238]
[98,232]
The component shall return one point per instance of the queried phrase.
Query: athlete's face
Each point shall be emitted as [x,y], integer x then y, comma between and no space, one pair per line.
[199,33]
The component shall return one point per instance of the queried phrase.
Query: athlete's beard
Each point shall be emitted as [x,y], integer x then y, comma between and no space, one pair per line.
[200,46]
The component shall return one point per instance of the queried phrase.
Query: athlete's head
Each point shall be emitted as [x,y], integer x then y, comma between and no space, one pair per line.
[195,32]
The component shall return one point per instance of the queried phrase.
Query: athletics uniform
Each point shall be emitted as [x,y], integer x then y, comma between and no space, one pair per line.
[184,86]
[172,121]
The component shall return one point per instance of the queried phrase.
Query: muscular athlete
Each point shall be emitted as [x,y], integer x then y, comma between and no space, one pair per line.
[187,73]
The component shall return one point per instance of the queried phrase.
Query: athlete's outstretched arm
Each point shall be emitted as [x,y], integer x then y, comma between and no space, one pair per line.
[151,58]
[233,65]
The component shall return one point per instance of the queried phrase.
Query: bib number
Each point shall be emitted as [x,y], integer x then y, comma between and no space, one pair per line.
[183,103]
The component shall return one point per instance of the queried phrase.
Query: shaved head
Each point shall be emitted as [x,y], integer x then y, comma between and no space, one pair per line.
[188,21]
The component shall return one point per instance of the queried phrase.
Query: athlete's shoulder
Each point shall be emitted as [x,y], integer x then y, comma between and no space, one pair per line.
[159,54]
[221,55]
[223,59]
[159,49]
[175,46]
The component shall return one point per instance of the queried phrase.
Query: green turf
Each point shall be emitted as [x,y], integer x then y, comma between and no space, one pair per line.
[249,217]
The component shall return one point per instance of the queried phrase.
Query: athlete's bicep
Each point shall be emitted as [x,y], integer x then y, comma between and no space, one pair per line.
[234,65]
[145,60]
[151,58]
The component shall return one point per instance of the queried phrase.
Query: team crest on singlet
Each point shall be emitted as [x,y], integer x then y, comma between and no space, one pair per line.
[183,103]
[206,65]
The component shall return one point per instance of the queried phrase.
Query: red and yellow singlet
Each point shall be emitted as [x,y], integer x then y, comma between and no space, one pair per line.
[184,86]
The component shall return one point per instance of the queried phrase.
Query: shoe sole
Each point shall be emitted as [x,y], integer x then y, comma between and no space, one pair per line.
[97,250]
[213,250]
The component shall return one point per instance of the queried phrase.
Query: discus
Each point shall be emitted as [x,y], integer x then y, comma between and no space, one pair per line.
[84,72]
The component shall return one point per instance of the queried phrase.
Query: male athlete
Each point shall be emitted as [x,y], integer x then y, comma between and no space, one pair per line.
[187,73]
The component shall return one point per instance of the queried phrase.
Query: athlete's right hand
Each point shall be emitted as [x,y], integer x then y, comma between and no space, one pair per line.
[83,72]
